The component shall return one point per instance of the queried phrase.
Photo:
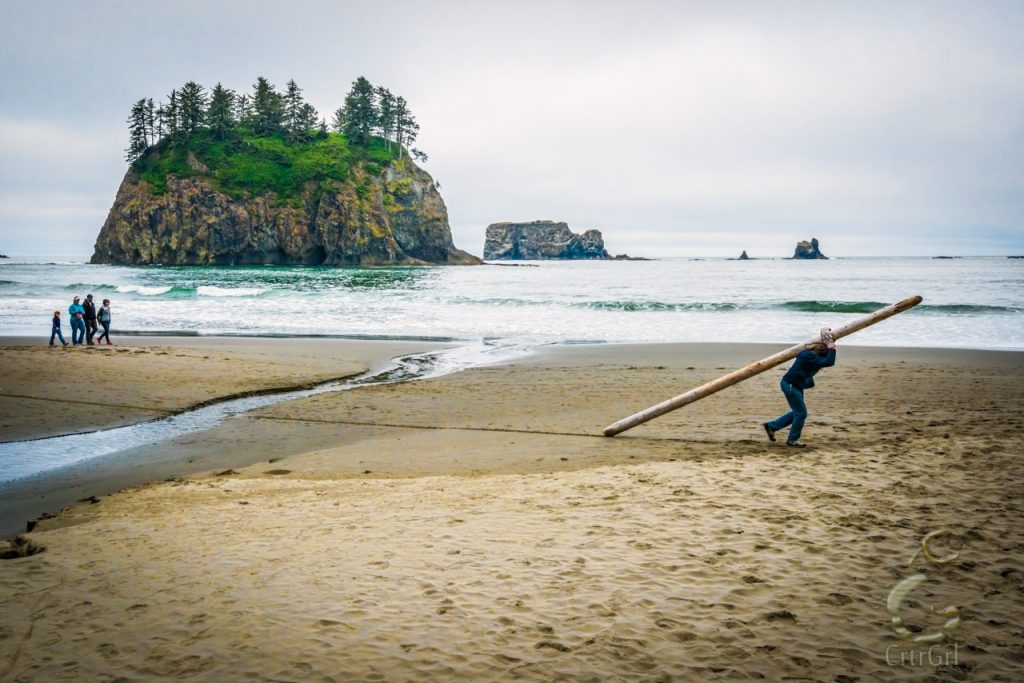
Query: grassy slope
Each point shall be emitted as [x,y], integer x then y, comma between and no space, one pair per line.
[254,165]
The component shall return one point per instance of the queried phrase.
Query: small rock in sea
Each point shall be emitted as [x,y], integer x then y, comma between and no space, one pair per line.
[538,240]
[809,250]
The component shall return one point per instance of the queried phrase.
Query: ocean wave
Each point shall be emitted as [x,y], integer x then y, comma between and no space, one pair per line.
[628,305]
[872,306]
[211,290]
[8,282]
[498,301]
[143,290]
[831,306]
[91,287]
[970,308]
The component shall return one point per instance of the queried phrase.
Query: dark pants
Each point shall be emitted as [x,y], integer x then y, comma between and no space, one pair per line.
[77,331]
[90,329]
[106,331]
[55,332]
[796,415]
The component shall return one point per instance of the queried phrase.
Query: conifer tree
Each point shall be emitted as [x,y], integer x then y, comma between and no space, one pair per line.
[321,132]
[137,143]
[268,108]
[406,128]
[385,114]
[244,110]
[150,115]
[192,107]
[170,123]
[307,120]
[359,115]
[293,108]
[220,115]
[161,118]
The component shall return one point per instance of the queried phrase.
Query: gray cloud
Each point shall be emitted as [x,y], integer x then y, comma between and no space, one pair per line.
[675,128]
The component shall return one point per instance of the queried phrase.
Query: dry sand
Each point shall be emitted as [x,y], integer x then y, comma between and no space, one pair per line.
[474,528]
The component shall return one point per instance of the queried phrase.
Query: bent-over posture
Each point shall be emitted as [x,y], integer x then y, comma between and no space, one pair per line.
[795,381]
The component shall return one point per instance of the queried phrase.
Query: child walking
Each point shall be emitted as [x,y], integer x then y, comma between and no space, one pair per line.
[55,330]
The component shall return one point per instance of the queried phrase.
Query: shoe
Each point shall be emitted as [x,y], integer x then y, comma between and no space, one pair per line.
[768,430]
[109,343]
[796,444]
[65,343]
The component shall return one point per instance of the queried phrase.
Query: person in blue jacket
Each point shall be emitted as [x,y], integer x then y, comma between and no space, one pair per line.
[77,314]
[795,381]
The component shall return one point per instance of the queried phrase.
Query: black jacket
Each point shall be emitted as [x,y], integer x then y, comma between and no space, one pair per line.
[807,363]
[90,310]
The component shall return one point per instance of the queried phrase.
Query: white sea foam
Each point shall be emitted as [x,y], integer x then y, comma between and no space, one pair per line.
[211,290]
[144,291]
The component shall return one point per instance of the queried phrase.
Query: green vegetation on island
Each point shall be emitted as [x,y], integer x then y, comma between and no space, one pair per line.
[266,141]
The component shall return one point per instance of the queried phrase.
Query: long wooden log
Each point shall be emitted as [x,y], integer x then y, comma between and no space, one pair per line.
[757,368]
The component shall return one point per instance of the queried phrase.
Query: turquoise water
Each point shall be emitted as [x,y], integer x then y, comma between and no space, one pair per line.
[969,302]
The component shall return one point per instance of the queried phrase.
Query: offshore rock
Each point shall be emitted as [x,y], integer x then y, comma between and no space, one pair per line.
[538,240]
[394,217]
[808,250]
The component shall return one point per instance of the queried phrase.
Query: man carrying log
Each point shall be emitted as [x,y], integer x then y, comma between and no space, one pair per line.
[795,381]
[826,341]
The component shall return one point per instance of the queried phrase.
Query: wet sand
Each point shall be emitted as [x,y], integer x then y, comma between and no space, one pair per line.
[46,392]
[475,527]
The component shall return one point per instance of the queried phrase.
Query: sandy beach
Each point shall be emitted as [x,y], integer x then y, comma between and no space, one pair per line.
[477,527]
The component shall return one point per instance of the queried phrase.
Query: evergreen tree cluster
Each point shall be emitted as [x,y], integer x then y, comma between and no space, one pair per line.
[368,112]
[375,111]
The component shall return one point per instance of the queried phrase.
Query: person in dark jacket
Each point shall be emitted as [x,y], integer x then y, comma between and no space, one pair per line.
[55,329]
[795,381]
[90,319]
[104,315]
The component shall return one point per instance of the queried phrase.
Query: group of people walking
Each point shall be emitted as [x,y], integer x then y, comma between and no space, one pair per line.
[86,320]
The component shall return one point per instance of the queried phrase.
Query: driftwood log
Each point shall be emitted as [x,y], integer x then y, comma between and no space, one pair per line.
[737,376]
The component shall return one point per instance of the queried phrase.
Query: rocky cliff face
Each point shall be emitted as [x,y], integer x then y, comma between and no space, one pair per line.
[808,250]
[541,240]
[395,217]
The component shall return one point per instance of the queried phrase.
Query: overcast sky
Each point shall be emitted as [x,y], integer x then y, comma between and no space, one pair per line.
[675,128]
